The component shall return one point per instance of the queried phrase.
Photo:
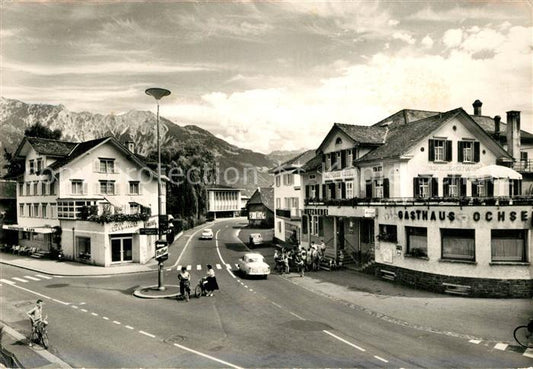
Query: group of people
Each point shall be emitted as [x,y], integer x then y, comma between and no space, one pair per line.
[305,259]
[208,283]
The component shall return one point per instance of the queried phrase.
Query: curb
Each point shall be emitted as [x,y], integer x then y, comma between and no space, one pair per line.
[159,294]
[43,353]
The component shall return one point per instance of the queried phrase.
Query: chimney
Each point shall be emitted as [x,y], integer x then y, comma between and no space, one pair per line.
[131,146]
[477,107]
[513,134]
[497,121]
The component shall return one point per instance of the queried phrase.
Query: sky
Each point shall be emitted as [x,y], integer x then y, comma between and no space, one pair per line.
[270,75]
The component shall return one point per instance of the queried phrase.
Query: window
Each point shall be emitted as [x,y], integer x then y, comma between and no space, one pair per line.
[36,210]
[278,180]
[279,227]
[107,165]
[35,188]
[515,187]
[483,188]
[44,210]
[468,151]
[28,186]
[43,189]
[30,210]
[52,186]
[338,141]
[134,188]
[378,188]
[278,203]
[458,244]
[39,165]
[32,166]
[388,233]
[107,187]
[425,187]
[417,241]
[84,247]
[440,150]
[21,210]
[454,186]
[135,208]
[21,189]
[349,158]
[349,190]
[76,187]
[314,225]
[304,224]
[70,209]
[508,245]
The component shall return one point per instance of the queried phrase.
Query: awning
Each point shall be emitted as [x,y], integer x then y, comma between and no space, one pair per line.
[496,171]
[16,227]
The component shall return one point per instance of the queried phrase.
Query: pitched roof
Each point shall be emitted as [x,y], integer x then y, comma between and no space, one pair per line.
[295,163]
[405,116]
[81,148]
[313,164]
[364,134]
[263,195]
[487,123]
[49,147]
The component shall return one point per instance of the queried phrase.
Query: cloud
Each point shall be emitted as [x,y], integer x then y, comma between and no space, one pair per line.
[427,42]
[458,14]
[452,37]
[404,37]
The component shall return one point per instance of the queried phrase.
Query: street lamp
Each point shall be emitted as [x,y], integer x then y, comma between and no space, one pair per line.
[158,94]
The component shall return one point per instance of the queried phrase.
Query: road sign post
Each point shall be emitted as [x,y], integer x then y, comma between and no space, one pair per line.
[161,254]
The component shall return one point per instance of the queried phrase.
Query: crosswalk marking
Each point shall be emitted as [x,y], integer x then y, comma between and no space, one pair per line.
[228,266]
[7,281]
[189,267]
[179,268]
[20,279]
[43,276]
[219,266]
[198,267]
[501,346]
[31,278]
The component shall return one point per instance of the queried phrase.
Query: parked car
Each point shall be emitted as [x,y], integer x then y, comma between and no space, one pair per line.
[253,264]
[207,234]
[256,239]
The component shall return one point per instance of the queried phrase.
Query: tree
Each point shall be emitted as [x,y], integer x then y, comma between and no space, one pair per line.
[38,130]
[13,166]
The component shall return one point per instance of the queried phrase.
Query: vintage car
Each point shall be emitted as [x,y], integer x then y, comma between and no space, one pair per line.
[207,234]
[255,239]
[252,264]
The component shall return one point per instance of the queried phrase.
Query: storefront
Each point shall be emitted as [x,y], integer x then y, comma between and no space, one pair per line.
[39,238]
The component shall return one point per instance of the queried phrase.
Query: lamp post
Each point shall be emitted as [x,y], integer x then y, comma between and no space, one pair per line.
[158,94]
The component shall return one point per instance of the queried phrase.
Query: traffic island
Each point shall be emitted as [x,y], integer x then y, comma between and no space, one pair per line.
[153,292]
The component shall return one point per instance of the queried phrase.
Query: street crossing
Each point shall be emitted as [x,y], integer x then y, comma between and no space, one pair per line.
[26,279]
[199,267]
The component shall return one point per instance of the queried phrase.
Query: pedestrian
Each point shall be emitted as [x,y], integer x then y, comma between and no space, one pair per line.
[211,281]
[300,264]
[36,317]
[340,258]
[185,283]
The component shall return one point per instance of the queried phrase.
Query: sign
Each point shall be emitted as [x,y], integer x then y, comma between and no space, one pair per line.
[340,174]
[370,213]
[148,231]
[257,215]
[161,250]
[487,216]
[316,212]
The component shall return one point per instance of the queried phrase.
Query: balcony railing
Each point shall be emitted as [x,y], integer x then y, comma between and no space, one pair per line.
[524,166]
[462,201]
[286,213]
[293,213]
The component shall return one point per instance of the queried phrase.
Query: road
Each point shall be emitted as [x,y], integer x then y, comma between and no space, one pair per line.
[272,323]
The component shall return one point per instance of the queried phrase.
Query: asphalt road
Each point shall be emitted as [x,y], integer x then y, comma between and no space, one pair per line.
[272,323]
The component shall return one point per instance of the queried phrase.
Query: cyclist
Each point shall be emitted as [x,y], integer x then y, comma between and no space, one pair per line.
[36,317]
[185,282]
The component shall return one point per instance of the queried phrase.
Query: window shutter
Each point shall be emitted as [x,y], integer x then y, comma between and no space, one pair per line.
[85,189]
[434,187]
[460,151]
[476,152]
[343,159]
[416,187]
[304,224]
[332,190]
[97,188]
[321,226]
[323,195]
[307,191]
[431,151]
[462,182]
[511,189]
[386,191]
[96,166]
[490,187]
[448,150]
[474,189]
[446,187]
[317,191]
[343,190]
[368,189]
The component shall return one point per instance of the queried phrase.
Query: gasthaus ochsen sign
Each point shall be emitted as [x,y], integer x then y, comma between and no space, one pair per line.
[476,216]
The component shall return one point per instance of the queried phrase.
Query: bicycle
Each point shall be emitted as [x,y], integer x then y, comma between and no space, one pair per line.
[522,334]
[40,334]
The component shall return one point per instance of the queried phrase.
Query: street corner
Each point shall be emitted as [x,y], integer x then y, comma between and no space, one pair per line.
[153,292]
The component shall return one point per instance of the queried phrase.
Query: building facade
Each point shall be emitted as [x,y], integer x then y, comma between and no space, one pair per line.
[289,199]
[223,202]
[90,199]
[425,198]
[260,208]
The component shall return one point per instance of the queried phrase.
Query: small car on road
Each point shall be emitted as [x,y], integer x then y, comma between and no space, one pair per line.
[253,264]
[255,239]
[207,234]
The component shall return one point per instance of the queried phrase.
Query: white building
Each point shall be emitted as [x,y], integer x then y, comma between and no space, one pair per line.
[92,196]
[289,198]
[425,198]
[223,201]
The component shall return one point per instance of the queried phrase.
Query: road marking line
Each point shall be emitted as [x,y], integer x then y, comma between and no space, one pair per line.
[477,342]
[251,290]
[114,321]
[43,276]
[273,303]
[105,318]
[185,247]
[380,358]
[31,278]
[189,267]
[169,269]
[94,314]
[82,303]
[129,327]
[296,315]
[228,266]
[343,340]
[74,306]
[501,346]
[20,279]
[8,282]
[528,353]
[198,267]
[219,266]
[59,301]
[147,334]
[35,293]
[207,356]
[84,310]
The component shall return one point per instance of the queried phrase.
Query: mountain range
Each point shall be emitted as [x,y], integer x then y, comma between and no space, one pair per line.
[139,126]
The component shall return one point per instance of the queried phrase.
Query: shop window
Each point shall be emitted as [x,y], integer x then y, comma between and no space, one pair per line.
[417,241]
[508,245]
[26,235]
[135,208]
[458,244]
[388,233]
[84,247]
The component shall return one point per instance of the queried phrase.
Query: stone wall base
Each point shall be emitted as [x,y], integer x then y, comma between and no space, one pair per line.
[446,284]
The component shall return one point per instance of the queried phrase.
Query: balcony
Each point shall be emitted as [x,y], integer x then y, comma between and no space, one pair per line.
[293,213]
[523,166]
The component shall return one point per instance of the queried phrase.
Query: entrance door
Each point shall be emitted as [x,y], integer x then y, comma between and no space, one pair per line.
[121,249]
[366,233]
[340,233]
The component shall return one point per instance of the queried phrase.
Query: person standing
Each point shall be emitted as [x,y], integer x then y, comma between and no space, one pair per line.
[211,281]
[185,283]
[36,317]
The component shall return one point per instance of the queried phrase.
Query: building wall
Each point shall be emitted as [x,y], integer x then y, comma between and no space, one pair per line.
[283,192]
[223,200]
[266,217]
